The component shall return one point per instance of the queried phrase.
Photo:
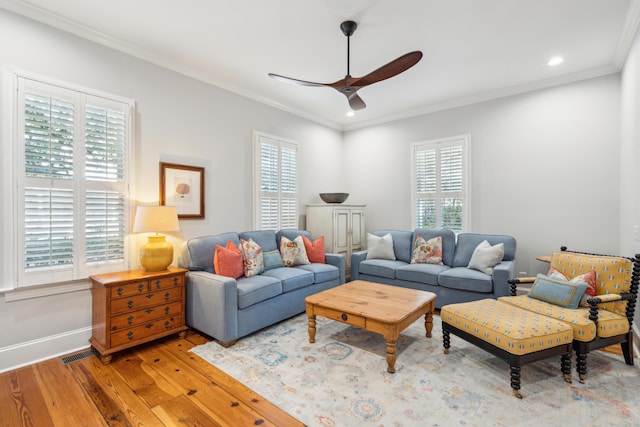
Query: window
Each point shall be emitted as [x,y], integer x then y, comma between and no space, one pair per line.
[275,183]
[72,204]
[440,189]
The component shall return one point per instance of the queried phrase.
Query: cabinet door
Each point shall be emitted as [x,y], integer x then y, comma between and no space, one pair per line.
[357,230]
[341,230]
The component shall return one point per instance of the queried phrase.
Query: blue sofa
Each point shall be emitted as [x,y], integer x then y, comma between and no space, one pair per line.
[227,309]
[452,282]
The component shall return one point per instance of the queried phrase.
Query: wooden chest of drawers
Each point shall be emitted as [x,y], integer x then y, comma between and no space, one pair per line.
[134,307]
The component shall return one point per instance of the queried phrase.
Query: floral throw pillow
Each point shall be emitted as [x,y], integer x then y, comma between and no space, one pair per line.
[293,252]
[589,278]
[252,256]
[427,251]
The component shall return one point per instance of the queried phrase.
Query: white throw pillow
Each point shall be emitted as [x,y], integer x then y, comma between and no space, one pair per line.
[380,247]
[485,257]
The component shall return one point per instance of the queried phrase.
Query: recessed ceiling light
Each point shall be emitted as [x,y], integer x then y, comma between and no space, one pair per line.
[350,114]
[556,60]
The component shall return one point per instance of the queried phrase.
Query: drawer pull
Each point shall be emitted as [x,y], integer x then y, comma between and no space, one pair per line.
[149,296]
[149,310]
[149,326]
[344,317]
[175,280]
[130,319]
[140,287]
[130,304]
[166,310]
[166,324]
[167,296]
[120,291]
[130,335]
[158,284]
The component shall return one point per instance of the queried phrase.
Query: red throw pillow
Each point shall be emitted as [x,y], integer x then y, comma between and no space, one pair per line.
[315,249]
[589,278]
[227,261]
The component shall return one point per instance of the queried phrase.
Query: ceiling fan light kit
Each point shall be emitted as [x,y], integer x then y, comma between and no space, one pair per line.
[349,86]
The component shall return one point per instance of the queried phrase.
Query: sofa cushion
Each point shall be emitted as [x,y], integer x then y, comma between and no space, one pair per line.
[448,241]
[265,238]
[402,243]
[485,257]
[381,267]
[321,272]
[197,253]
[427,251]
[293,251]
[467,243]
[380,247]
[291,278]
[421,273]
[252,290]
[465,279]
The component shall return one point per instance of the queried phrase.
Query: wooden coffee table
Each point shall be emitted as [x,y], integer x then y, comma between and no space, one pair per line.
[383,309]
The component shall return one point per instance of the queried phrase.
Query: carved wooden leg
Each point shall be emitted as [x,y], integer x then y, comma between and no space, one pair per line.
[106,359]
[391,356]
[311,324]
[565,366]
[446,340]
[627,349]
[428,323]
[182,334]
[581,366]
[515,381]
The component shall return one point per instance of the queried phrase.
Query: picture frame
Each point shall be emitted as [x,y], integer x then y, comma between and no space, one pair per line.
[182,186]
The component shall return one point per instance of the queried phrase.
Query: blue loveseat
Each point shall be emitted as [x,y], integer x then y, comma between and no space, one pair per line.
[227,309]
[452,282]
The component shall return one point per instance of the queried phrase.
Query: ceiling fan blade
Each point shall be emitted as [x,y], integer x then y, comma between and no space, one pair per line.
[355,102]
[295,81]
[389,70]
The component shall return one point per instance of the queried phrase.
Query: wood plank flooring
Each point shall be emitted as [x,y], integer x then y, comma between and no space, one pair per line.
[157,384]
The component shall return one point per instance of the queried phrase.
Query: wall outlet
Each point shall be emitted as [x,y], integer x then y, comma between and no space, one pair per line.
[523,274]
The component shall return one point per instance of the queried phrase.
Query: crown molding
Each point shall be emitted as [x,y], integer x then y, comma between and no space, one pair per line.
[629,30]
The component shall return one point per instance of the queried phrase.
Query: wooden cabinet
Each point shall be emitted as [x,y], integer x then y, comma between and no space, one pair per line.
[342,226]
[136,306]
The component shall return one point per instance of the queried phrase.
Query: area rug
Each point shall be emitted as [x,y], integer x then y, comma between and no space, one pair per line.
[342,380]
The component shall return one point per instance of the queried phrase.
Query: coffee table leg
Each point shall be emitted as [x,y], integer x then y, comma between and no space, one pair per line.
[391,356]
[311,323]
[428,323]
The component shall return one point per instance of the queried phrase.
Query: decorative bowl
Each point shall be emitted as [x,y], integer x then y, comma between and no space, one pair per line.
[334,197]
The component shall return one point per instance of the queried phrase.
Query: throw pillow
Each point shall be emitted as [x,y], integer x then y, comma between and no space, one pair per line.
[557,291]
[485,257]
[293,252]
[315,249]
[227,261]
[427,251]
[380,247]
[272,259]
[253,258]
[589,278]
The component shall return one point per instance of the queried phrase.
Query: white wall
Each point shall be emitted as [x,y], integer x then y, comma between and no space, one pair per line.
[179,120]
[544,167]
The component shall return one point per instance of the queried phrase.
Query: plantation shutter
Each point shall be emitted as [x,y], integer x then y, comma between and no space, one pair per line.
[439,176]
[277,197]
[72,151]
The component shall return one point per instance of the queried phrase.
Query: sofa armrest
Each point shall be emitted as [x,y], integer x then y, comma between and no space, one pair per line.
[338,261]
[356,259]
[502,273]
[212,305]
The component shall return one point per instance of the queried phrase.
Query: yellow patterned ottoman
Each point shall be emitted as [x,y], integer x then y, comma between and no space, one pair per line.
[518,336]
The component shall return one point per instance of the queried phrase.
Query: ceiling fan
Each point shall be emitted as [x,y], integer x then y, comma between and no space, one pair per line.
[349,86]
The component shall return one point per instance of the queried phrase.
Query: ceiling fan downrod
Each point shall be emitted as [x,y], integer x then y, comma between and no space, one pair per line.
[348,28]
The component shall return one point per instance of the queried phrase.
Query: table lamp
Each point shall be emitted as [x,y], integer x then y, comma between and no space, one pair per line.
[157,254]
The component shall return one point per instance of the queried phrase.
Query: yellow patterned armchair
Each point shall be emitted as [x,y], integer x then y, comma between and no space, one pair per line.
[602,319]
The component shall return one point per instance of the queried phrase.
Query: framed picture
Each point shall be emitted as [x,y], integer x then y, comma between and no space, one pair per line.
[183,187]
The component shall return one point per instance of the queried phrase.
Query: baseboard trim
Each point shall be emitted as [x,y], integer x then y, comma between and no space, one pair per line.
[30,352]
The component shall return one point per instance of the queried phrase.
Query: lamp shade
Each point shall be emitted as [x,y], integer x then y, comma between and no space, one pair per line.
[155,219]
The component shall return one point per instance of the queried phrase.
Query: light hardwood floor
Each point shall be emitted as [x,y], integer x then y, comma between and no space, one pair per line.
[157,384]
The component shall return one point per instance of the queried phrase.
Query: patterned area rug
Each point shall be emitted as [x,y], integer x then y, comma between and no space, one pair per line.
[341,380]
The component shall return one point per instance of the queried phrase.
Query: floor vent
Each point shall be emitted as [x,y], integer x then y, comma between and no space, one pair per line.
[84,354]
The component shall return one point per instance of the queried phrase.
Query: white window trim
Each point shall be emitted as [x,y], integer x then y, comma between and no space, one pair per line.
[256,175]
[466,219]
[9,286]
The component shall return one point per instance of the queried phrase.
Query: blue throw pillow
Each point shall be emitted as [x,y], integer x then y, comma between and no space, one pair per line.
[272,259]
[557,291]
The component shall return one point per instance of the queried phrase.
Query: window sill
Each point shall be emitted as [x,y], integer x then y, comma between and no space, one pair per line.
[19,294]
